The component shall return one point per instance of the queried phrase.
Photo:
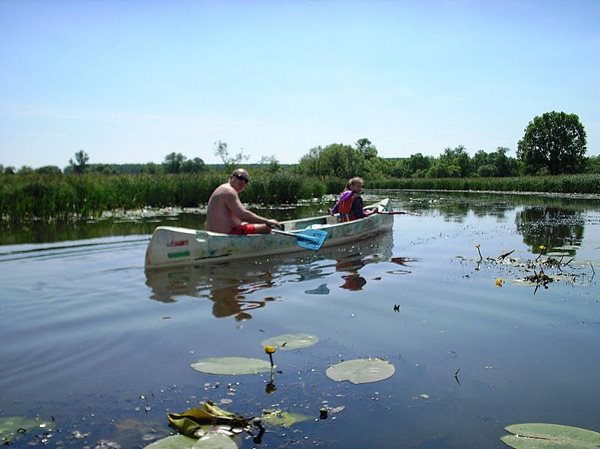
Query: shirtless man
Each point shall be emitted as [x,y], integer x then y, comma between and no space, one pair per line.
[227,214]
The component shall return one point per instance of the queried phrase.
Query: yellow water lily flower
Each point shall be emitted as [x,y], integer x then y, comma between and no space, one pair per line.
[542,247]
[270,350]
[499,282]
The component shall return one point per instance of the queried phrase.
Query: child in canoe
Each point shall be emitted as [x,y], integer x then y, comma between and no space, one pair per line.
[350,205]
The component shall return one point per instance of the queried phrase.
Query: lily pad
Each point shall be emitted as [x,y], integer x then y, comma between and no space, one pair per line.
[281,418]
[287,342]
[215,440]
[361,371]
[173,442]
[550,436]
[231,365]
[12,427]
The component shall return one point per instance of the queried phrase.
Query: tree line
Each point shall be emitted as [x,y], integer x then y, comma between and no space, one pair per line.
[553,143]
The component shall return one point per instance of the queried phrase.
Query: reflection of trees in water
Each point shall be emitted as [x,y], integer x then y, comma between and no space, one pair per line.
[551,227]
[455,206]
[229,286]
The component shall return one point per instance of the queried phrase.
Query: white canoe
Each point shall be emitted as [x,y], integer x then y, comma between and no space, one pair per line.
[174,246]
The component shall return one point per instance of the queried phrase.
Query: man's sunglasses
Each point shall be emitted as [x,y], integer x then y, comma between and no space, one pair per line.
[242,178]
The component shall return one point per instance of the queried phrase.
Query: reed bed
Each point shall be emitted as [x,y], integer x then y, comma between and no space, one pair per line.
[584,183]
[60,197]
[70,197]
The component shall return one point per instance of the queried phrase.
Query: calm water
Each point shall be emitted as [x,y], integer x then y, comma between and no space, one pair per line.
[93,342]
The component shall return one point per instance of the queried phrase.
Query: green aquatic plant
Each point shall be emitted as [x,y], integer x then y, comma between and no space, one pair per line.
[173,442]
[550,436]
[478,246]
[231,365]
[283,418]
[209,427]
[361,371]
[270,350]
[14,427]
[196,422]
[288,342]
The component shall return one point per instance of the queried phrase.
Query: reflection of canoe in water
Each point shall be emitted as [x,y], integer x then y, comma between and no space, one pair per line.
[237,288]
[172,246]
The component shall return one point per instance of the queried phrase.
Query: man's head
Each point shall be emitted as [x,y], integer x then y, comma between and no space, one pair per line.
[239,179]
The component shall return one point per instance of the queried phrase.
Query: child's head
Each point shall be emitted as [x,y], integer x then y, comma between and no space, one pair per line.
[355,184]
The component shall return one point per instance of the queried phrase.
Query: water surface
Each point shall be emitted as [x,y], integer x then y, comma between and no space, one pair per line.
[91,340]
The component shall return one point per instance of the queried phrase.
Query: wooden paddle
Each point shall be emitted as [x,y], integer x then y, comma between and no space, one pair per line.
[308,238]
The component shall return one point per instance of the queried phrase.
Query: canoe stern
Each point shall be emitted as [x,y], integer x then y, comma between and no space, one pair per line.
[171,246]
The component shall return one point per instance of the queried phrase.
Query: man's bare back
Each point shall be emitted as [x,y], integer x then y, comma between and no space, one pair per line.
[226,213]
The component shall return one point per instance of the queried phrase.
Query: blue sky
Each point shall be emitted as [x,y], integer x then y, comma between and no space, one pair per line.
[132,81]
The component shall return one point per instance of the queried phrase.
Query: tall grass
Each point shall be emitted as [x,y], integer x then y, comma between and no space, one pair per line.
[62,197]
[584,183]
[49,197]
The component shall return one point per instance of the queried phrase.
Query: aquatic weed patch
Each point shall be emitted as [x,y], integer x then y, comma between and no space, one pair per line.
[540,272]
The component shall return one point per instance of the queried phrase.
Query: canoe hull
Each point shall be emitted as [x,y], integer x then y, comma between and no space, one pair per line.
[173,246]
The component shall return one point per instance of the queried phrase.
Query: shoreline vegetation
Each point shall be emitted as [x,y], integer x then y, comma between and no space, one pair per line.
[71,197]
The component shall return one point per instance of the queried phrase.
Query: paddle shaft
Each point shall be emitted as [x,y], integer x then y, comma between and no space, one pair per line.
[398,212]
[298,236]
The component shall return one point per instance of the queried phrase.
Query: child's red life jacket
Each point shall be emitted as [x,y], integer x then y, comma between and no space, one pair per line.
[345,206]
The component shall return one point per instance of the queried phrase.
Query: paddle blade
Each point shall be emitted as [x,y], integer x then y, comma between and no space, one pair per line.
[310,238]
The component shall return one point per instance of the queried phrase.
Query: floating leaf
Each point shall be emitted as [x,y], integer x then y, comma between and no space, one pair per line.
[287,342]
[130,431]
[284,419]
[215,440]
[550,436]
[11,427]
[173,442]
[231,365]
[193,422]
[361,371]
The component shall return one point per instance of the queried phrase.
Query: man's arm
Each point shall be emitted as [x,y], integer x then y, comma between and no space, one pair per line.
[239,210]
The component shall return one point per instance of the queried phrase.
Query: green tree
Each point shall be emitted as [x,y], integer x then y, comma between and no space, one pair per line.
[479,160]
[337,160]
[104,169]
[418,165]
[456,161]
[554,142]
[496,164]
[152,168]
[438,170]
[505,165]
[366,147]
[79,165]
[195,165]
[49,170]
[230,162]
[271,162]
[593,164]
[174,162]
